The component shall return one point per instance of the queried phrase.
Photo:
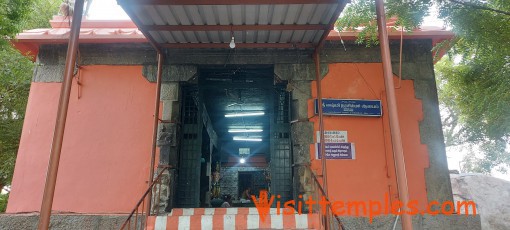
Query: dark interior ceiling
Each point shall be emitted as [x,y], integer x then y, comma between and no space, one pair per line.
[235,90]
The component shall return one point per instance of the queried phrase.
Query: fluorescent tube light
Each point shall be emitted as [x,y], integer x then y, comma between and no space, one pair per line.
[245,130]
[247,139]
[244,114]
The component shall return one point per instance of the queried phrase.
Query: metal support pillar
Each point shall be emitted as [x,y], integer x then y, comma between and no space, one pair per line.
[63,105]
[396,138]
[155,130]
[318,79]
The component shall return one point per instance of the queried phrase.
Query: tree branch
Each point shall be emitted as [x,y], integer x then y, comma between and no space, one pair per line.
[480,7]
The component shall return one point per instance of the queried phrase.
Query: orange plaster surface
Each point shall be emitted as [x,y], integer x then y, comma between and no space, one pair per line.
[107,142]
[372,174]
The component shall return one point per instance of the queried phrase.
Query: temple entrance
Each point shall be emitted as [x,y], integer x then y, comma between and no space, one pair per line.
[235,135]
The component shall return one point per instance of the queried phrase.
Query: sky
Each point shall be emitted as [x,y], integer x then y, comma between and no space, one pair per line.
[455,155]
[109,10]
[106,10]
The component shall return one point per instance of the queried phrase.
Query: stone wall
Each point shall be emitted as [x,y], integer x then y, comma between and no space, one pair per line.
[62,221]
[420,222]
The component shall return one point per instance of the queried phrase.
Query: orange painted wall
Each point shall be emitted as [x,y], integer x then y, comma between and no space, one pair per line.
[107,143]
[371,175]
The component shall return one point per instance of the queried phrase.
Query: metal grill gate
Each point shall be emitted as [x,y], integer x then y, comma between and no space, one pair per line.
[188,187]
[281,154]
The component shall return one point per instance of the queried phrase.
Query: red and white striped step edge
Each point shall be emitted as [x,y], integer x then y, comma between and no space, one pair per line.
[230,218]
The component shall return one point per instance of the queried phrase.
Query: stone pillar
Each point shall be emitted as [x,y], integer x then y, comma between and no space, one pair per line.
[299,77]
[169,127]
[168,142]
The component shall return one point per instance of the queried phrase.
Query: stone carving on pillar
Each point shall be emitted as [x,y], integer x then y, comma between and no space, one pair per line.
[167,135]
[161,193]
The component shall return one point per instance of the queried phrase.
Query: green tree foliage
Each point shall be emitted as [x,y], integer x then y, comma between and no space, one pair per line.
[473,90]
[476,86]
[3,202]
[361,13]
[12,12]
[15,76]
[41,12]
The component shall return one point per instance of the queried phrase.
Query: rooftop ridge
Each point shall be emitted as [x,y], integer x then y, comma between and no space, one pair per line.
[59,21]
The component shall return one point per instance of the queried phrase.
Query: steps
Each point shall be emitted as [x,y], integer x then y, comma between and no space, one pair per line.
[230,218]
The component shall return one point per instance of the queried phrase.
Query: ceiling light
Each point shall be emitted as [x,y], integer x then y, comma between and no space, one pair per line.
[232,43]
[247,139]
[242,160]
[245,130]
[245,114]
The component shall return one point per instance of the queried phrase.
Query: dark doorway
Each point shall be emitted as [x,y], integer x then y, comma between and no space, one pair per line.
[216,127]
[245,180]
[255,180]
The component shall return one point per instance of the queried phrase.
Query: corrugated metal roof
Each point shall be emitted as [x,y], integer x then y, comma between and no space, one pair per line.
[296,14]
[201,24]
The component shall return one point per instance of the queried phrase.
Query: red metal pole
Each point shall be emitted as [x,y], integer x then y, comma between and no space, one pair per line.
[396,138]
[63,104]
[155,129]
[318,79]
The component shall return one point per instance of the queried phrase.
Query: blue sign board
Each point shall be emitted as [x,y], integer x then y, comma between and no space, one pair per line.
[341,151]
[348,107]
